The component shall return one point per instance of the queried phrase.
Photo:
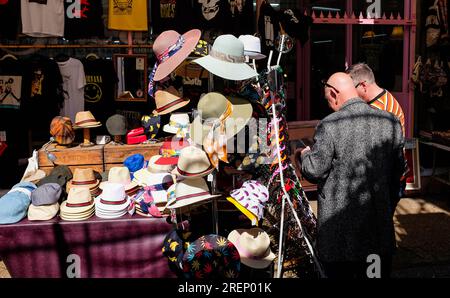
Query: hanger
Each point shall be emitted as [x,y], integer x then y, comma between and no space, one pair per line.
[92,56]
[9,56]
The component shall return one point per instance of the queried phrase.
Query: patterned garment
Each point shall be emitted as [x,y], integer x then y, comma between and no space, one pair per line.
[211,257]
[386,101]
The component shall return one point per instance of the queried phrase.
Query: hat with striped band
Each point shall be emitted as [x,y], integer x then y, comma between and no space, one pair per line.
[189,192]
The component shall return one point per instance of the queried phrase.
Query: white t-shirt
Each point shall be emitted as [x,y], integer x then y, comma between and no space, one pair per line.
[42,20]
[74,80]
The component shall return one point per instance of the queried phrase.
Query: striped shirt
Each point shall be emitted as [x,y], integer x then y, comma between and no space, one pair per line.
[386,101]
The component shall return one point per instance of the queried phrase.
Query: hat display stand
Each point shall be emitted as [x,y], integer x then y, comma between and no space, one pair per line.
[87,138]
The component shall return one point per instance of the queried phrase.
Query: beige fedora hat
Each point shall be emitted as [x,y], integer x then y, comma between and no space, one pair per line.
[156,168]
[120,175]
[178,124]
[44,212]
[211,106]
[84,178]
[189,192]
[79,204]
[168,100]
[85,119]
[192,163]
[253,246]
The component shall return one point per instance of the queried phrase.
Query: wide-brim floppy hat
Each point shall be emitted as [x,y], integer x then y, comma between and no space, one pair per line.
[193,163]
[177,119]
[190,192]
[44,212]
[163,44]
[85,119]
[226,59]
[211,106]
[168,100]
[253,246]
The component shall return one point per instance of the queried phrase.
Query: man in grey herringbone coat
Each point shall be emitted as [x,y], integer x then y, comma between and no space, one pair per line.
[356,161]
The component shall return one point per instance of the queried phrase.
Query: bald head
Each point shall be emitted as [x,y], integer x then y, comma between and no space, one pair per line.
[343,90]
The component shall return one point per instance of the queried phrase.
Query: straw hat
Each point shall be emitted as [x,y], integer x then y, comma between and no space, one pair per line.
[113,202]
[227,60]
[178,124]
[253,246]
[85,119]
[189,192]
[192,163]
[83,178]
[211,106]
[156,168]
[163,44]
[120,175]
[79,204]
[44,212]
[168,100]
[252,47]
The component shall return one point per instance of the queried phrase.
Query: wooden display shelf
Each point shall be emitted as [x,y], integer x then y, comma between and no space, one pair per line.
[115,155]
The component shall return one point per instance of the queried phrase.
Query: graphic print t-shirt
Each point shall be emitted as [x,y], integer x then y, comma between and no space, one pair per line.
[11,78]
[171,15]
[83,19]
[268,26]
[9,18]
[213,14]
[100,85]
[42,18]
[74,80]
[129,15]
[242,16]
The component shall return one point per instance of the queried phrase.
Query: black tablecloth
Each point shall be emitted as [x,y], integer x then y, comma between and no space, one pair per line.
[126,247]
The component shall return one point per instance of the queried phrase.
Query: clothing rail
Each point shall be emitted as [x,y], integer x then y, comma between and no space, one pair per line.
[73,46]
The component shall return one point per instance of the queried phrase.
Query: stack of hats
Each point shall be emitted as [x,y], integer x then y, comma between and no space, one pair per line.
[121,175]
[250,199]
[44,202]
[113,202]
[78,206]
[14,204]
[85,119]
[84,178]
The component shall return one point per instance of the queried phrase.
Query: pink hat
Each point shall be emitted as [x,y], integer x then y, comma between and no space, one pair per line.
[171,49]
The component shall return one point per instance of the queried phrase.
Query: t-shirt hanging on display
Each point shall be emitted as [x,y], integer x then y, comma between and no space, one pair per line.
[99,90]
[171,15]
[212,14]
[42,18]
[11,77]
[268,26]
[74,80]
[42,93]
[129,15]
[83,19]
[9,18]
[242,16]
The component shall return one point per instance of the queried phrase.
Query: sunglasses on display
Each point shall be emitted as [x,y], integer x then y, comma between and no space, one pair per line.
[325,84]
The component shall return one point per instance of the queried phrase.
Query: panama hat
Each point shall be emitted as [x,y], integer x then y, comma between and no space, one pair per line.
[113,201]
[252,47]
[120,175]
[85,119]
[192,163]
[250,199]
[79,204]
[211,256]
[43,212]
[117,125]
[170,151]
[253,246]
[178,124]
[62,130]
[156,168]
[84,178]
[14,204]
[189,192]
[168,100]
[171,49]
[211,106]
[226,59]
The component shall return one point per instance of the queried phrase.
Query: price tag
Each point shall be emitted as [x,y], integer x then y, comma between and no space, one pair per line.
[210,178]
[140,65]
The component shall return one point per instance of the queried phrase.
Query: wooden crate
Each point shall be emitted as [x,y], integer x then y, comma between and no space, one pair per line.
[75,157]
[114,155]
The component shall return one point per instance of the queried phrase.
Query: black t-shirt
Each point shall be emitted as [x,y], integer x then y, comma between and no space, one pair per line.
[242,17]
[268,26]
[9,18]
[43,92]
[101,79]
[11,83]
[214,14]
[171,15]
[83,19]
[296,24]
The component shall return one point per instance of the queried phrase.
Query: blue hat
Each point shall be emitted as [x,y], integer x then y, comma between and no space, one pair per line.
[14,205]
[134,163]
